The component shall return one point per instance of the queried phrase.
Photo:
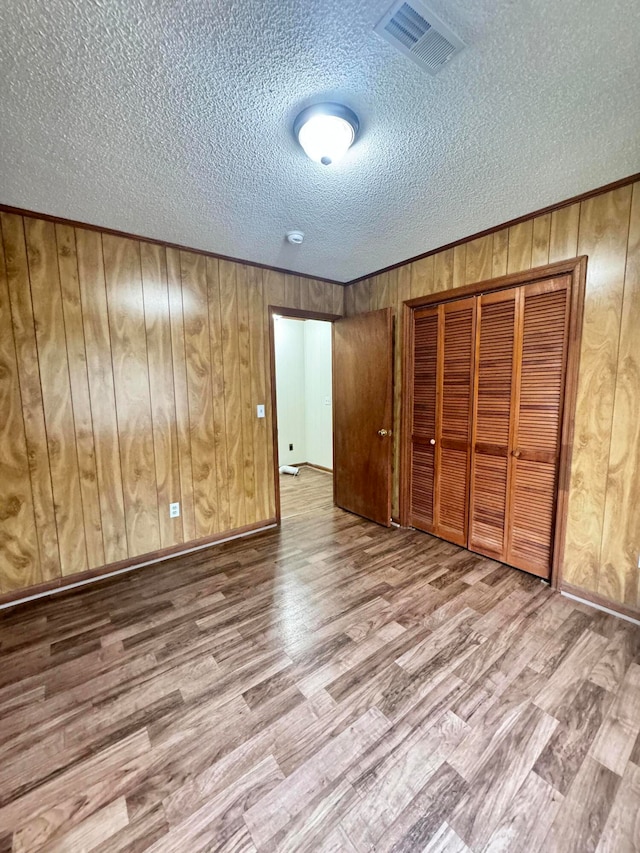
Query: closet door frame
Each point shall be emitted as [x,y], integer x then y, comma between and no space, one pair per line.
[576,268]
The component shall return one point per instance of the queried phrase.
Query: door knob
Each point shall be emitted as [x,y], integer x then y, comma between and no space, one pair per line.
[383,432]
[432,441]
[516,453]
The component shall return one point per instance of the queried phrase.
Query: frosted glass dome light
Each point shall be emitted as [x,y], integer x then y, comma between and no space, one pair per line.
[326,132]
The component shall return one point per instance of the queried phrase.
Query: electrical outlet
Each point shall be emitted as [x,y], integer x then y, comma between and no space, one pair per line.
[260,410]
[174,510]
[291,447]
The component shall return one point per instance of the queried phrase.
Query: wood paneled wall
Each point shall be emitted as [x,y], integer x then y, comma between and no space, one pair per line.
[129,378]
[603,525]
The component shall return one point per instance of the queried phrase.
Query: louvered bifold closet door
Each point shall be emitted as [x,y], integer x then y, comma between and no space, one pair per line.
[453,426]
[544,312]
[493,410]
[423,425]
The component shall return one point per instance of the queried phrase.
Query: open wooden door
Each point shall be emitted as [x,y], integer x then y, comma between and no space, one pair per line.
[363,412]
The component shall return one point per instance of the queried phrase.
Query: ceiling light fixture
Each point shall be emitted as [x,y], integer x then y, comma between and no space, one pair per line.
[326,131]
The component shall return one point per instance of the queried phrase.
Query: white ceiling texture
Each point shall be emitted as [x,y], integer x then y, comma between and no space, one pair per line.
[173,120]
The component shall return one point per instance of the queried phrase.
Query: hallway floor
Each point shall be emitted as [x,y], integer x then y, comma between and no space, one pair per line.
[311,490]
[329,686]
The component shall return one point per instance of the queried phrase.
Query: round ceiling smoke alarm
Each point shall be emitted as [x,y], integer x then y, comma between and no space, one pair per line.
[295,237]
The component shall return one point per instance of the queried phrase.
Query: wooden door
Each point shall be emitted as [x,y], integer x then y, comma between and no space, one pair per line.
[522,341]
[443,349]
[453,438]
[492,421]
[363,413]
[423,419]
[537,411]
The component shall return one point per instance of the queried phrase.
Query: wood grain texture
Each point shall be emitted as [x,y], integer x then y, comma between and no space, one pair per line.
[618,578]
[51,342]
[248,411]
[520,245]
[500,253]
[604,229]
[102,393]
[188,707]
[217,390]
[362,297]
[563,236]
[232,393]
[130,376]
[443,271]
[262,467]
[362,381]
[81,402]
[540,240]
[17,272]
[479,260]
[403,292]
[163,404]
[459,265]
[133,403]
[181,393]
[200,391]
[421,277]
[18,540]
[602,527]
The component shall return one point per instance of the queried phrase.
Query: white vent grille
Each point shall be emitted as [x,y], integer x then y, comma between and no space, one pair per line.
[413,29]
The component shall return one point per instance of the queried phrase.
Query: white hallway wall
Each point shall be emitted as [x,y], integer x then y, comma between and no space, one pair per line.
[303,389]
[318,393]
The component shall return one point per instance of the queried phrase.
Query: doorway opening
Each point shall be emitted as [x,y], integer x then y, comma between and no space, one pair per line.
[357,401]
[302,360]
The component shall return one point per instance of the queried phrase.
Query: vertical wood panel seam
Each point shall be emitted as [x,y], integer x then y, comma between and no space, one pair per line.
[615,375]
[237,336]
[24,429]
[213,402]
[115,396]
[173,383]
[250,406]
[175,396]
[44,420]
[73,413]
[146,349]
[90,401]
[186,375]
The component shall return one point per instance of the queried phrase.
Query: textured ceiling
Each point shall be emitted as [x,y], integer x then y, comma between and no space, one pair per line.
[173,120]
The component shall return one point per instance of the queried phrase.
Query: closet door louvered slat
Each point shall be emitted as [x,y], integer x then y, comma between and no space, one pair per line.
[453,440]
[488,384]
[494,382]
[423,428]
[538,418]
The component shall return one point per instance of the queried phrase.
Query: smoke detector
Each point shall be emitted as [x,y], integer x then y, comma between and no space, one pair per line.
[295,237]
[413,29]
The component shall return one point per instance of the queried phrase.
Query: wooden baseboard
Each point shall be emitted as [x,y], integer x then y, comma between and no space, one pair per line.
[589,597]
[102,572]
[311,465]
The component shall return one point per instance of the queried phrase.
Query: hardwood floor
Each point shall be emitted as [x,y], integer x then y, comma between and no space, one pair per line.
[330,686]
[309,491]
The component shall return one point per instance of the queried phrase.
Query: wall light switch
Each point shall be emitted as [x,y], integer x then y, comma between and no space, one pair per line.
[327,401]
[174,510]
[260,410]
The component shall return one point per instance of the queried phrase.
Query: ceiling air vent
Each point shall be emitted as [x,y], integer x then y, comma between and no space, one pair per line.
[413,29]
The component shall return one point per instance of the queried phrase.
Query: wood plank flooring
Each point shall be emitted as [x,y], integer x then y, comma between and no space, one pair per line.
[330,686]
[309,491]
